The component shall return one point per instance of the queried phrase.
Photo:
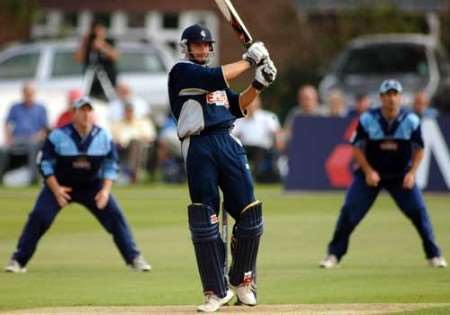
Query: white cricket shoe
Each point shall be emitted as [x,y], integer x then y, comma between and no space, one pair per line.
[438,262]
[14,267]
[330,261]
[140,264]
[246,294]
[213,302]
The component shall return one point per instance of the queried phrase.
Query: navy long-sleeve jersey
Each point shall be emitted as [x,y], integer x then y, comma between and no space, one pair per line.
[388,146]
[200,99]
[79,162]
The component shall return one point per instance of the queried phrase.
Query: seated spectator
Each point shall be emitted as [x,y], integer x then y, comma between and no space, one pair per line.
[66,117]
[170,158]
[362,104]
[337,104]
[307,105]
[260,133]
[125,96]
[25,130]
[133,137]
[421,106]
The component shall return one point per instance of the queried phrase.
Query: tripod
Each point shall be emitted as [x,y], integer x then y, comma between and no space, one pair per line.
[98,72]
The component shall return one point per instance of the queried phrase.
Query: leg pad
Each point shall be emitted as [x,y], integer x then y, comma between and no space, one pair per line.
[209,249]
[245,243]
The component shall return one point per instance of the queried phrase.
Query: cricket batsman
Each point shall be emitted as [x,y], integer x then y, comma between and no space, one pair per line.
[205,108]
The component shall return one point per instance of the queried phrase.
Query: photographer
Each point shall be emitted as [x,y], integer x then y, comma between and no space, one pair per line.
[98,56]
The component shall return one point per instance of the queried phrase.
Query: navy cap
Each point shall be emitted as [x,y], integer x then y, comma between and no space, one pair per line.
[85,100]
[390,85]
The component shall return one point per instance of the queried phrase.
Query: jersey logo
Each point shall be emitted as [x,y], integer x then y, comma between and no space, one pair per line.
[219,98]
[389,146]
[81,163]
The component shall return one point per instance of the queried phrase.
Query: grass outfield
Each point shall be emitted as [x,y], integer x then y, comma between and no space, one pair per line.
[77,264]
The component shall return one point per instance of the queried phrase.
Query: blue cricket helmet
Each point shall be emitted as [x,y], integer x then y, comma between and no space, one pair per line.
[197,33]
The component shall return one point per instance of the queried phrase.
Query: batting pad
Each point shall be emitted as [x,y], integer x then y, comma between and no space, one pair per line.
[209,248]
[245,243]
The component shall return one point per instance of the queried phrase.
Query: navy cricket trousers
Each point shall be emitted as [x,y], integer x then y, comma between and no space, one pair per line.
[360,198]
[46,209]
[218,160]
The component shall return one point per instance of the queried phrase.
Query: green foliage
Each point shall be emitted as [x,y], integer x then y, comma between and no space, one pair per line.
[20,9]
[77,264]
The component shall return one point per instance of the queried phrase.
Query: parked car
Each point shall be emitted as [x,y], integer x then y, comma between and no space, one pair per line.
[417,60]
[51,65]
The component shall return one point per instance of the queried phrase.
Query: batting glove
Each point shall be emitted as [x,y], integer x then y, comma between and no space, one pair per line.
[265,75]
[256,53]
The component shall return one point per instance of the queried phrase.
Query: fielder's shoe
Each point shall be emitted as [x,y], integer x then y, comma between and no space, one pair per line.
[245,293]
[213,302]
[140,264]
[14,267]
[438,262]
[330,261]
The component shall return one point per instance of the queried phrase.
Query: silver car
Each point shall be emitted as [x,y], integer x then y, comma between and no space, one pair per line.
[417,61]
[51,65]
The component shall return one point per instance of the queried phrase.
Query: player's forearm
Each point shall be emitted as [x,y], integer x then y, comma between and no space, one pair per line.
[247,97]
[416,159]
[233,70]
[360,158]
[107,184]
[52,183]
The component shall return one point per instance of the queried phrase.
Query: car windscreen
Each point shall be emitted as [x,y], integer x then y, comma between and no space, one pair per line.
[22,66]
[140,62]
[64,63]
[384,59]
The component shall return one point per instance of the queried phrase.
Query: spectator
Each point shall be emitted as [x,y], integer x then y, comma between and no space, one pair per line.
[66,117]
[337,104]
[25,130]
[307,105]
[421,106]
[133,136]
[260,133]
[98,56]
[362,104]
[124,96]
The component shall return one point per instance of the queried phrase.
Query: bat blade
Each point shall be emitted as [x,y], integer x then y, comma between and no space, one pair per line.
[231,15]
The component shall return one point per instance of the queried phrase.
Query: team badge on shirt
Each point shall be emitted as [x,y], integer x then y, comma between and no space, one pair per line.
[389,146]
[82,163]
[219,98]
